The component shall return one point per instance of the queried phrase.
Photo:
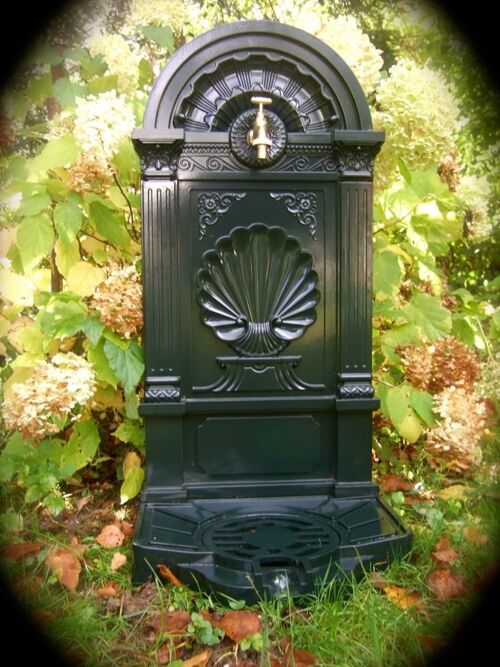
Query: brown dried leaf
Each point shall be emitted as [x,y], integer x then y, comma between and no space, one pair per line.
[293,657]
[110,590]
[377,579]
[389,483]
[167,573]
[127,528]
[472,534]
[118,561]
[238,624]
[110,537]
[199,660]
[77,549]
[65,565]
[81,502]
[403,598]
[445,584]
[169,622]
[443,552]
[20,550]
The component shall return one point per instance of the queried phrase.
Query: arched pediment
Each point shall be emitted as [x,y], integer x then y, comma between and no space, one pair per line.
[208,83]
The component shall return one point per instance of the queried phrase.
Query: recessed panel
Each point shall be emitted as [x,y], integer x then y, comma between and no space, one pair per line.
[247,445]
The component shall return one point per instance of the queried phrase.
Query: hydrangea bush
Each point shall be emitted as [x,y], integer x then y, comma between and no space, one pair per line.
[70,329]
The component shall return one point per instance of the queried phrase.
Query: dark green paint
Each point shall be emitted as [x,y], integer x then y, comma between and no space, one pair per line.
[257,305]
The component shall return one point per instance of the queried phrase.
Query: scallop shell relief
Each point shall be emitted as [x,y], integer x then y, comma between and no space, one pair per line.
[258,290]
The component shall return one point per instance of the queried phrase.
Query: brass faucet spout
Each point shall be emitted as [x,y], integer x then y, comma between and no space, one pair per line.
[258,136]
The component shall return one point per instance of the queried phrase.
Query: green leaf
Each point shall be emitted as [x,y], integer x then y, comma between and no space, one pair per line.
[81,448]
[55,503]
[421,402]
[100,363]
[387,274]
[39,88]
[62,318]
[66,92]
[57,153]
[402,414]
[131,433]
[108,225]
[83,278]
[127,364]
[162,35]
[131,484]
[16,289]
[12,455]
[68,219]
[67,255]
[405,172]
[102,84]
[34,204]
[427,182]
[428,314]
[399,336]
[93,328]
[44,53]
[35,238]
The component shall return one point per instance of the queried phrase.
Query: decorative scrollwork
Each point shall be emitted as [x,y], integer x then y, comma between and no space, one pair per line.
[211,205]
[158,157]
[357,158]
[304,205]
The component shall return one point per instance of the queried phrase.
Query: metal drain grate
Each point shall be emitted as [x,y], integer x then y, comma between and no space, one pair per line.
[281,540]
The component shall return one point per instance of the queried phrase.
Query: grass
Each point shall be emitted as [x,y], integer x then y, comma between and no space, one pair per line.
[350,625]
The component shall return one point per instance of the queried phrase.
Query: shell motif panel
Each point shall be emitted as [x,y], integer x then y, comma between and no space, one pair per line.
[258,290]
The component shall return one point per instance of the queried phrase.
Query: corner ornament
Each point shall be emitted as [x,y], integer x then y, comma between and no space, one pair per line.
[304,205]
[211,205]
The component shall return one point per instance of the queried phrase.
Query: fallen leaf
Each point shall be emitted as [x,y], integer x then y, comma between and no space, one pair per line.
[110,537]
[389,483]
[453,492]
[377,579]
[81,502]
[117,561]
[198,660]
[167,573]
[164,654]
[472,534]
[433,643]
[443,552]
[65,565]
[21,550]
[126,527]
[238,624]
[110,590]
[404,598]
[445,584]
[169,622]
[293,657]
[77,549]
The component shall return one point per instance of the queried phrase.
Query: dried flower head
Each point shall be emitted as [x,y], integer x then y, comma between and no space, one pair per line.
[449,169]
[345,36]
[102,123]
[455,441]
[118,300]
[56,391]
[446,363]
[89,174]
[474,192]
[418,112]
[489,384]
[120,59]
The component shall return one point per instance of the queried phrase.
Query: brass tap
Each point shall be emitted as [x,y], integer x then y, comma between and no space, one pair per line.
[258,136]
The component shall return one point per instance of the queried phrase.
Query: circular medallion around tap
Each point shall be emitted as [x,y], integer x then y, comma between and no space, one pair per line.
[258,136]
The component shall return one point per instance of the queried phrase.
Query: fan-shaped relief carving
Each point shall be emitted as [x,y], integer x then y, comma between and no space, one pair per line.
[222,93]
[258,290]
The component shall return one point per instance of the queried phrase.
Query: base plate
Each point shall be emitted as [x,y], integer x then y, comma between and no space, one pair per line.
[256,548]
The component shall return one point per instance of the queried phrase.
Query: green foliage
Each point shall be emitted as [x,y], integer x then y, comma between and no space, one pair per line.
[76,219]
[203,631]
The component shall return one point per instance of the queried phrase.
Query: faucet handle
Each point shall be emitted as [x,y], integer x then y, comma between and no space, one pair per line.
[258,99]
